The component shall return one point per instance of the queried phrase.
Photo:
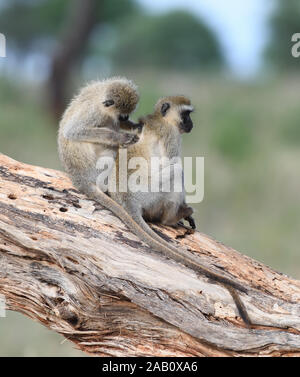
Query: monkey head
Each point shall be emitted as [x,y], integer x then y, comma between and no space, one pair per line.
[176,111]
[121,98]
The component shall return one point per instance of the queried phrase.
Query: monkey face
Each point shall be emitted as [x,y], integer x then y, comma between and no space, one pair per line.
[176,111]
[186,124]
[181,117]
[122,99]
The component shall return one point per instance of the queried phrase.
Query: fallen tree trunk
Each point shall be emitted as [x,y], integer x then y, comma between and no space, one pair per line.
[73,266]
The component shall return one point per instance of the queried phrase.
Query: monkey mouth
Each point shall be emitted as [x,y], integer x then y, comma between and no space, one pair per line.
[186,128]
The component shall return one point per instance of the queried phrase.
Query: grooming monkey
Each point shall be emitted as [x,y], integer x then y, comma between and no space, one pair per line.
[161,136]
[90,128]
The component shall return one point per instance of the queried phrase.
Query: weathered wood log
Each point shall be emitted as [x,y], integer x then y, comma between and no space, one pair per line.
[73,266]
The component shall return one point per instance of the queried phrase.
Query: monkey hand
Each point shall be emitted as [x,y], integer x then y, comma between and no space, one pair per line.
[128,139]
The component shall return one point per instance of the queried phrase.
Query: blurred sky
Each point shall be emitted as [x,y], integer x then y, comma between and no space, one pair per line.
[241,26]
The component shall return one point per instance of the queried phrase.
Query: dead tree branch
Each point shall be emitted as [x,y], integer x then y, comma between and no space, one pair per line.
[71,265]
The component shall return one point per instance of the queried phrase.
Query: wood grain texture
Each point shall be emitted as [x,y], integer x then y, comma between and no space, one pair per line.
[73,266]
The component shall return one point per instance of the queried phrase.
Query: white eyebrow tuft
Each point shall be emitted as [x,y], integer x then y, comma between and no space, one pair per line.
[186,107]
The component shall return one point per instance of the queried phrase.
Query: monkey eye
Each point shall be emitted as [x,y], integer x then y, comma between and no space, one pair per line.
[108,103]
[164,108]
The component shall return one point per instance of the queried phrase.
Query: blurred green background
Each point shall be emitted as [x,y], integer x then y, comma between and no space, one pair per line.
[247,120]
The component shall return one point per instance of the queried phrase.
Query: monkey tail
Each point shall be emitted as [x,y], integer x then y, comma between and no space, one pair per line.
[139,227]
[240,305]
[191,262]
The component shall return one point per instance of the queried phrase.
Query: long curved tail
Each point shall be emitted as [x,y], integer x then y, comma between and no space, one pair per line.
[142,230]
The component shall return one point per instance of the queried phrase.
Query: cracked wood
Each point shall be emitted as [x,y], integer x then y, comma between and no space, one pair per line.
[70,264]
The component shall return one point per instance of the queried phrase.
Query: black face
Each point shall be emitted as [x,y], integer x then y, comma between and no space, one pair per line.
[186,124]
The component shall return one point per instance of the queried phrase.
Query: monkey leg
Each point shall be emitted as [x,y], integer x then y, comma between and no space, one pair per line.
[186,212]
[190,229]
[170,215]
[173,216]
[191,221]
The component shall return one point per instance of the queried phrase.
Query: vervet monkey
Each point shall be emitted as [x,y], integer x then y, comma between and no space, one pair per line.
[161,137]
[90,128]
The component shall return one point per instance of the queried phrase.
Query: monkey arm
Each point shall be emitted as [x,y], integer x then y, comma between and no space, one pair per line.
[104,136]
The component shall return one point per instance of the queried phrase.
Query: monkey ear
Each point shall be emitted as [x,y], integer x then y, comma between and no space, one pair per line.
[108,102]
[164,108]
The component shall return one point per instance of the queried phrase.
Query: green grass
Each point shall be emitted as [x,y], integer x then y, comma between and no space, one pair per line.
[250,138]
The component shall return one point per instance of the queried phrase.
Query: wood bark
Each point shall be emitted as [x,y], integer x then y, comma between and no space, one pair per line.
[71,265]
